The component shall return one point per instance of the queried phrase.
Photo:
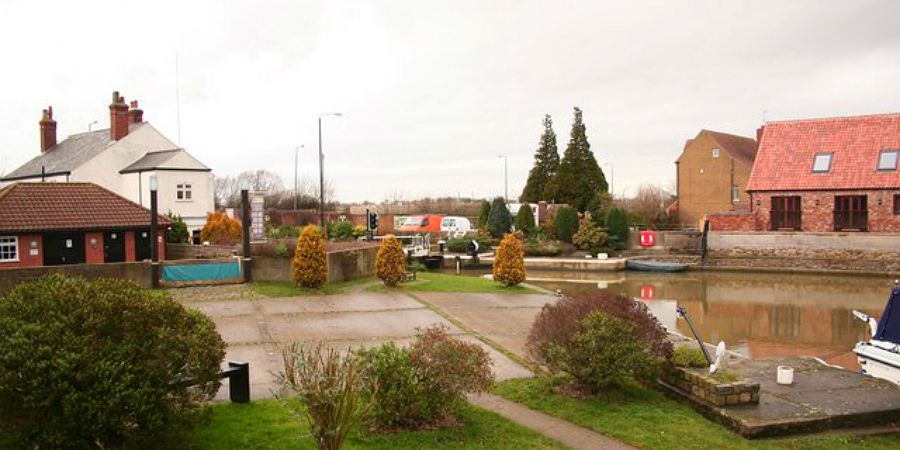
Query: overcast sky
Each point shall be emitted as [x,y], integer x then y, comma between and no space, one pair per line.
[433,91]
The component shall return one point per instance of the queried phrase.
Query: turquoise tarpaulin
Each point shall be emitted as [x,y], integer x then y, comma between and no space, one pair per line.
[201,272]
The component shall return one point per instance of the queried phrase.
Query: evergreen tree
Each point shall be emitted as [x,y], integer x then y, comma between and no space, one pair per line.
[524,220]
[483,212]
[500,220]
[578,178]
[546,161]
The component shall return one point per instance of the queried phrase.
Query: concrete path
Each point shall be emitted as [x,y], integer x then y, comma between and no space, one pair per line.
[560,430]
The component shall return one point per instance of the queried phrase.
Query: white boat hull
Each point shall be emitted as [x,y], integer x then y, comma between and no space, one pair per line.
[879,359]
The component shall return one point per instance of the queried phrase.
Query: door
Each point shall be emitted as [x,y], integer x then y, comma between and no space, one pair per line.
[141,245]
[113,246]
[63,248]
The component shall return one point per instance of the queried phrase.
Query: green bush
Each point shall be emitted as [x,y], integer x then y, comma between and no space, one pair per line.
[617,224]
[565,223]
[461,245]
[103,364]
[689,357]
[283,232]
[524,220]
[417,387]
[484,211]
[544,247]
[341,231]
[177,233]
[589,236]
[282,250]
[500,220]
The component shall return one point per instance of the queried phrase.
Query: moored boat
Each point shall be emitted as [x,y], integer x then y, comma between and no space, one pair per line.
[880,355]
[654,266]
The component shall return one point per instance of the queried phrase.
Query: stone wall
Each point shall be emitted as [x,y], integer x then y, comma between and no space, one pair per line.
[675,241]
[189,251]
[342,265]
[139,272]
[696,383]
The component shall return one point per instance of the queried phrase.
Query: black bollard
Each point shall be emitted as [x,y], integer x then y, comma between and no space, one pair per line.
[238,374]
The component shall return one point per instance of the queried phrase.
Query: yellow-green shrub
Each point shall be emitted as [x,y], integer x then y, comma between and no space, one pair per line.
[309,267]
[390,262]
[509,264]
[221,229]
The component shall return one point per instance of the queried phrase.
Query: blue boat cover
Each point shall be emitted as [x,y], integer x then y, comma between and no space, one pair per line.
[201,272]
[889,324]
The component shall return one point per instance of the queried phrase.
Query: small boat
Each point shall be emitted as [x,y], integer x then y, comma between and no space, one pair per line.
[880,355]
[654,266]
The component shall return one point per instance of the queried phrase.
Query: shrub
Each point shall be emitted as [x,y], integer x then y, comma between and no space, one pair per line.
[689,357]
[309,267]
[524,220]
[484,211]
[103,364]
[390,261]
[340,231]
[329,387]
[419,386]
[599,206]
[544,247]
[565,223]
[599,339]
[282,250]
[461,245]
[221,230]
[359,231]
[509,264]
[617,224]
[177,232]
[500,220]
[589,236]
[282,232]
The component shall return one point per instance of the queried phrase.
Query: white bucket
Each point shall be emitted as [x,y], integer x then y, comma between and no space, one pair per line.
[602,256]
[785,375]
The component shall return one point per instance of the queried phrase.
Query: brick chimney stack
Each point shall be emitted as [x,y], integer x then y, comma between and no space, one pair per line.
[48,130]
[135,113]
[118,117]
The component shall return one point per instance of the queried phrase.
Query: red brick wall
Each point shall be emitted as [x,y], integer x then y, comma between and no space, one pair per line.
[732,222]
[818,209]
[26,259]
[129,246]
[93,253]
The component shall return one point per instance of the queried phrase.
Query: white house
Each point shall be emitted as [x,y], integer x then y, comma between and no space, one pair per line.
[122,159]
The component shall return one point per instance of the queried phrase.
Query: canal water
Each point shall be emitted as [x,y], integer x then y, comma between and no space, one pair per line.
[758,315]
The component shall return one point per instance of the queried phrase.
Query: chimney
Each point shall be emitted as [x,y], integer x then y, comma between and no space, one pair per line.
[135,113]
[118,117]
[48,130]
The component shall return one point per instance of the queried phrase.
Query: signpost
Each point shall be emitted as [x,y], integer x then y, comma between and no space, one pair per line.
[258,217]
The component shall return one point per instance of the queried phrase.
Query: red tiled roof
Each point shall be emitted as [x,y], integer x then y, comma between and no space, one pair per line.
[785,158]
[36,207]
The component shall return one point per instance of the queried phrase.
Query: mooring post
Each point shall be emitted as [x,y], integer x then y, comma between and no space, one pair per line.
[238,374]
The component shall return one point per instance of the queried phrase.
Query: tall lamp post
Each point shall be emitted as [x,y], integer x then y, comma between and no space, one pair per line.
[296,182]
[505,177]
[245,221]
[322,172]
[154,227]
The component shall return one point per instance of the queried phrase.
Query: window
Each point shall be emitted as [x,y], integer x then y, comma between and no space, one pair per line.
[887,159]
[715,153]
[850,213]
[786,213]
[735,193]
[183,192]
[9,248]
[822,163]
[897,204]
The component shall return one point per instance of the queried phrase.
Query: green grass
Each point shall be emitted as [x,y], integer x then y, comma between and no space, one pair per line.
[267,424]
[442,282]
[650,420]
[288,289]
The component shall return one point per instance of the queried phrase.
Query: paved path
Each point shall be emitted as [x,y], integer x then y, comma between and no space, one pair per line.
[562,431]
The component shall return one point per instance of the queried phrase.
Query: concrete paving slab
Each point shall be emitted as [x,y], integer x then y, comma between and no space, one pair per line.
[353,325]
[239,329]
[338,303]
[454,300]
[226,308]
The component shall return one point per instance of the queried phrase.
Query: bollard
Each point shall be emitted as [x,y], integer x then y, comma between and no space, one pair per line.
[238,374]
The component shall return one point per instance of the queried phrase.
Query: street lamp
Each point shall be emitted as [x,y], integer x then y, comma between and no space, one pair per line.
[245,226]
[154,226]
[505,177]
[296,163]
[322,171]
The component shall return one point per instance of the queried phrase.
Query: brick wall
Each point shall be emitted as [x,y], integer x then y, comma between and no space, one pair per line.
[737,221]
[818,209]
[704,181]
[26,259]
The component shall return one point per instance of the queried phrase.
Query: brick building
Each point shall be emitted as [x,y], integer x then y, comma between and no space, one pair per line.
[711,175]
[823,175]
[44,224]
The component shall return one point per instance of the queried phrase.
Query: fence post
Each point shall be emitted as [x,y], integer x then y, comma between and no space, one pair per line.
[238,374]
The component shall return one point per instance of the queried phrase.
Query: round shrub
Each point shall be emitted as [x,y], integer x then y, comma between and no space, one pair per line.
[309,267]
[544,247]
[390,261]
[499,220]
[600,339]
[589,236]
[565,222]
[221,230]
[461,245]
[509,264]
[103,364]
[524,220]
[340,231]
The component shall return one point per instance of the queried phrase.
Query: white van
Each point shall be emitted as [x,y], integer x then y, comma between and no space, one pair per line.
[453,226]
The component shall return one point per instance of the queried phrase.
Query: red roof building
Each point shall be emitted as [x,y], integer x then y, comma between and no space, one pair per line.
[45,224]
[833,174]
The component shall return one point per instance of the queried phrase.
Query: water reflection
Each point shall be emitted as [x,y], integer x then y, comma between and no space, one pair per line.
[758,315]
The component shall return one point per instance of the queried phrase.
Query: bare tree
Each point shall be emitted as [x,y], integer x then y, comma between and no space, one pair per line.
[651,202]
[227,194]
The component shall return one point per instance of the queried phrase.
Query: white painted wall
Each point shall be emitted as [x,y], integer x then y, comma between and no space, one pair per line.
[193,211]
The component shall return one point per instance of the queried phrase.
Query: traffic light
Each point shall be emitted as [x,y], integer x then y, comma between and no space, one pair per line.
[373,221]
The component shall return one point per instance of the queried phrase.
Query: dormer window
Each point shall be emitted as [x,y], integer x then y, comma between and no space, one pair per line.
[715,153]
[822,163]
[887,159]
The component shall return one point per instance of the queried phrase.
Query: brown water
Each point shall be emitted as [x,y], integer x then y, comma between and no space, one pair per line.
[758,315]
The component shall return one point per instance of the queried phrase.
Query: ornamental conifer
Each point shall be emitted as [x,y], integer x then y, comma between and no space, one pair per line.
[309,268]
[546,162]
[509,265]
[578,178]
[390,262]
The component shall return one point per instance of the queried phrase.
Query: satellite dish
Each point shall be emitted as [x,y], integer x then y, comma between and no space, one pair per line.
[720,357]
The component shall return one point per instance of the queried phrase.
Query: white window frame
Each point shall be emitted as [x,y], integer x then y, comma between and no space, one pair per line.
[735,193]
[5,242]
[816,157]
[184,192]
[716,152]
[882,154]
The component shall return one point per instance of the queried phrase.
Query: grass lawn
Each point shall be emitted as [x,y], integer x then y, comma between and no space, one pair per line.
[266,424]
[288,289]
[650,420]
[443,282]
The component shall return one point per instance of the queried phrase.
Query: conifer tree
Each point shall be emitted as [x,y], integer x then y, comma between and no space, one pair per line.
[524,220]
[578,178]
[499,220]
[546,161]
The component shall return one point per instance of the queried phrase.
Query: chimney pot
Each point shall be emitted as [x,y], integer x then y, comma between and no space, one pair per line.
[48,129]
[135,114]
[118,117]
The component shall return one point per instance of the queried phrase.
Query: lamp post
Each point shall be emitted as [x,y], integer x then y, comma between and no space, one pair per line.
[245,221]
[154,226]
[296,182]
[505,177]
[322,172]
